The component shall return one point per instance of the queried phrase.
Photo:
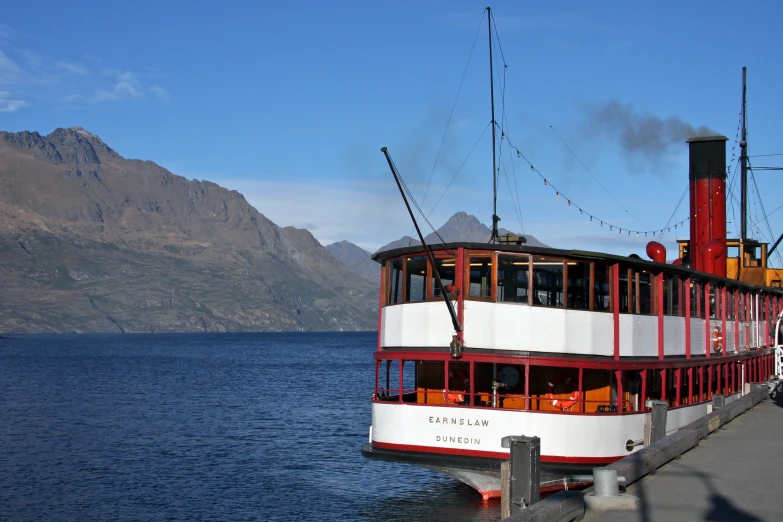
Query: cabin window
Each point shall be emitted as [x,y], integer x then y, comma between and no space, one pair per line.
[752,256]
[415,278]
[673,304]
[601,291]
[395,282]
[500,385]
[578,285]
[714,302]
[695,299]
[480,275]
[626,275]
[430,382]
[642,293]
[446,268]
[547,281]
[729,304]
[458,389]
[653,384]
[513,279]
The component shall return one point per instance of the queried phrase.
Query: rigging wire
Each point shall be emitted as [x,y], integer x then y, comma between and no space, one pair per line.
[763,212]
[687,187]
[571,151]
[581,210]
[458,170]
[503,127]
[453,107]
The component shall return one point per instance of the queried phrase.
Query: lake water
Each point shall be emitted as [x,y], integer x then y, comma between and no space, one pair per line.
[203,427]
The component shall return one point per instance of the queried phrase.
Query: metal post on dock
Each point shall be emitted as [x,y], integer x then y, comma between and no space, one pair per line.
[524,473]
[655,421]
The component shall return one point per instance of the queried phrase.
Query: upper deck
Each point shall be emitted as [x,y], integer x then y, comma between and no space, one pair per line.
[530,300]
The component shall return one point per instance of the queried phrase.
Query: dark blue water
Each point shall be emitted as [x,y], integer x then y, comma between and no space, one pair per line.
[203,427]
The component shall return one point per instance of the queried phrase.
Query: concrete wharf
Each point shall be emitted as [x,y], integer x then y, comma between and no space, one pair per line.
[732,475]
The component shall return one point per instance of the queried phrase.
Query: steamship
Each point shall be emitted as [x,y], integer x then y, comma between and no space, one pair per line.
[567,345]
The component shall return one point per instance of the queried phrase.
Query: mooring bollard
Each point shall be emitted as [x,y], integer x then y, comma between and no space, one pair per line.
[655,422]
[525,474]
[605,482]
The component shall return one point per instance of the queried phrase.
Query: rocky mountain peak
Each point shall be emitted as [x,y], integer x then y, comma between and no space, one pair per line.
[74,146]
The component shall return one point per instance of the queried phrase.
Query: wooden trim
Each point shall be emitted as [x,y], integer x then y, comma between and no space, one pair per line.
[530,280]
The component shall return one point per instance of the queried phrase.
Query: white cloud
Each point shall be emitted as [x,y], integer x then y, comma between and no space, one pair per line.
[160,92]
[9,71]
[367,216]
[7,105]
[50,81]
[126,85]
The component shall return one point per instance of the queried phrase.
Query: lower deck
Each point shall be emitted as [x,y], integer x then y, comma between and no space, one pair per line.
[562,385]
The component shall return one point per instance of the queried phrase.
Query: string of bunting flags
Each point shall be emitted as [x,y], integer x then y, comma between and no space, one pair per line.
[571,203]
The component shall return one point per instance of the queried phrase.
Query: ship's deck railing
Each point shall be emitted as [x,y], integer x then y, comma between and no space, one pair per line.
[563,404]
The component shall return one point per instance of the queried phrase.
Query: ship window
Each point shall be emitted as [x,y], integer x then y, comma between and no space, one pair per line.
[480,277]
[415,277]
[732,251]
[446,269]
[395,282]
[695,299]
[752,256]
[513,279]
[729,305]
[625,275]
[579,285]
[673,302]
[601,292]
[714,311]
[642,293]
[547,281]
[430,382]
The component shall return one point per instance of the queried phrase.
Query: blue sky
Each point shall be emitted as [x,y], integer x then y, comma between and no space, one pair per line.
[290,102]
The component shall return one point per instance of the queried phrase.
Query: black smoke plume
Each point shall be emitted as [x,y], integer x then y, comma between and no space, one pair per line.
[638,132]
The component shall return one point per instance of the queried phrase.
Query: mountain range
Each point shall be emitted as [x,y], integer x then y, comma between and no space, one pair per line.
[94,242]
[91,241]
[460,227]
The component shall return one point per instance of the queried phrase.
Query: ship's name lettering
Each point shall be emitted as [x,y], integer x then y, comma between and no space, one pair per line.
[459,421]
[458,440]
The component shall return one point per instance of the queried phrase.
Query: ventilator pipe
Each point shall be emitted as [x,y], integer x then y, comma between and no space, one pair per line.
[656,252]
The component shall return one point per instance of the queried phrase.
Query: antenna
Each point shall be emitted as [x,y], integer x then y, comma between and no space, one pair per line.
[494,233]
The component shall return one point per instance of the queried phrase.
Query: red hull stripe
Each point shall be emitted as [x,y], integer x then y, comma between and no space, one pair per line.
[491,454]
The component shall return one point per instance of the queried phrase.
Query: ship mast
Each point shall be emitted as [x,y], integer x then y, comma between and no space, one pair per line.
[494,232]
[744,166]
